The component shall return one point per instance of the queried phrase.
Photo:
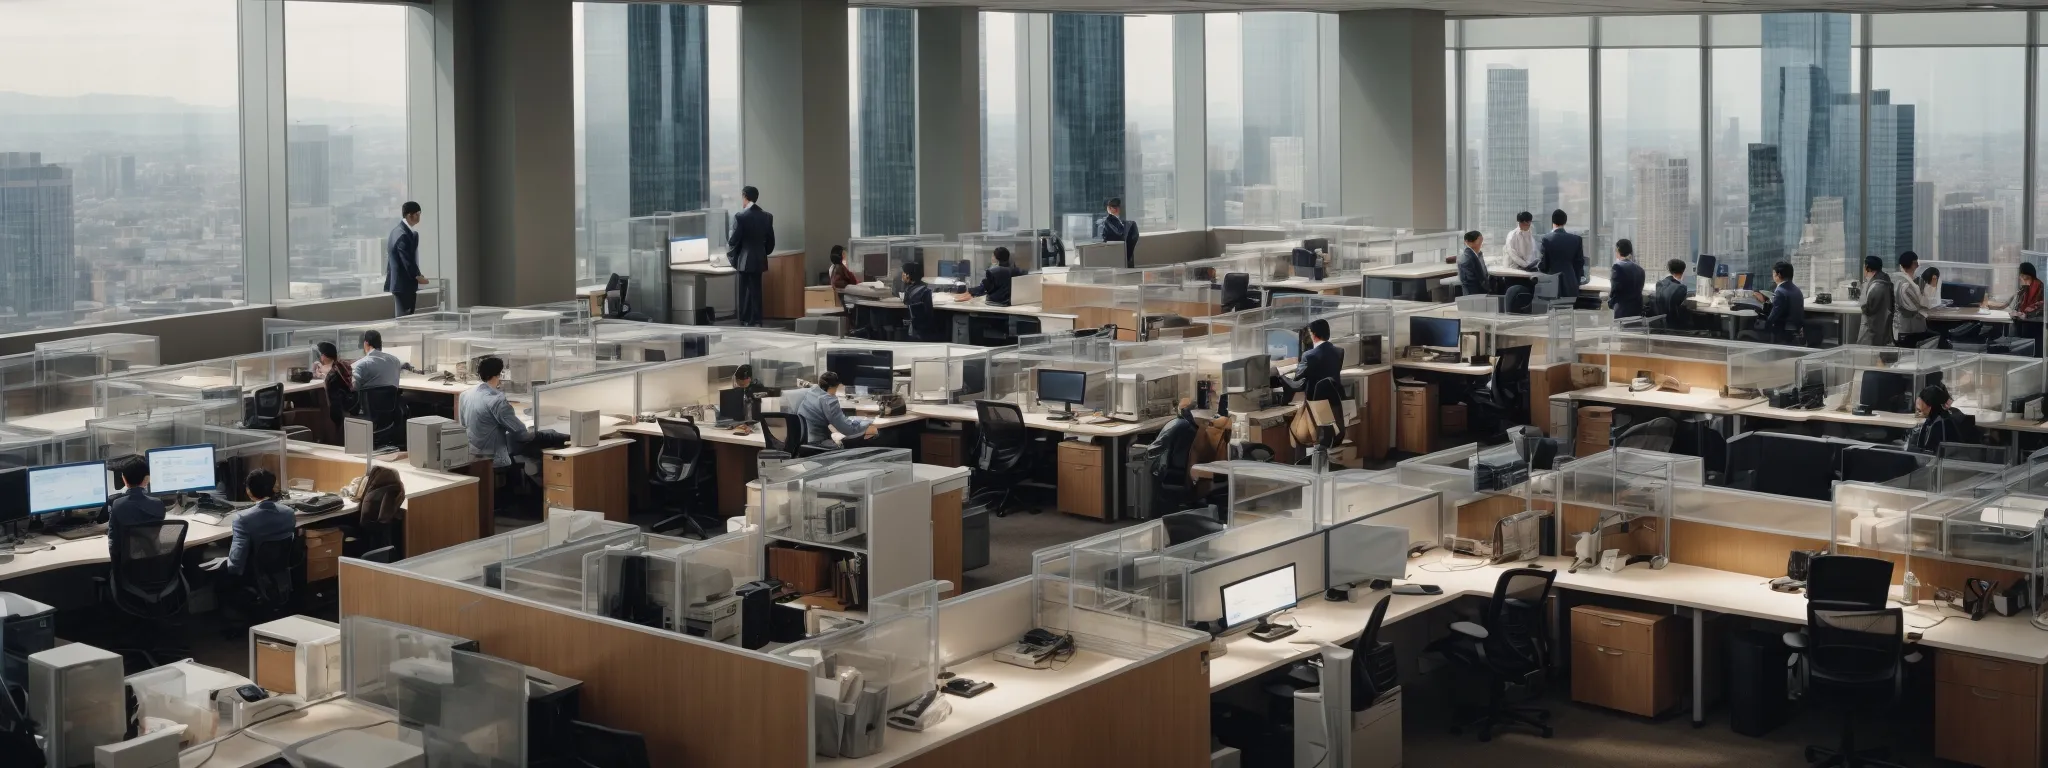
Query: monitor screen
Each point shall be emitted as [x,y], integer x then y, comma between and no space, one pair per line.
[874,266]
[1962,294]
[1889,391]
[1283,345]
[873,369]
[733,405]
[13,494]
[1256,597]
[1317,244]
[1433,332]
[955,269]
[1059,386]
[67,486]
[1705,266]
[184,468]
[689,250]
[1360,552]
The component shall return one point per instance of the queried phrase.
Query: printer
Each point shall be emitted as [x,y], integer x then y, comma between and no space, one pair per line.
[433,442]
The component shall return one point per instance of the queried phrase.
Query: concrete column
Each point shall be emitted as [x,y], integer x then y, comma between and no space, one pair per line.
[516,150]
[793,97]
[1390,102]
[949,120]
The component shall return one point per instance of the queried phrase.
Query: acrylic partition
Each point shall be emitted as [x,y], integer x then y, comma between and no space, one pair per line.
[780,361]
[1755,369]
[1260,490]
[1355,494]
[571,575]
[615,397]
[1449,472]
[118,352]
[511,323]
[1886,518]
[383,663]
[687,388]
[1243,551]
[1622,492]
[934,256]
[19,450]
[1149,380]
[897,661]
[1752,511]
[172,387]
[273,367]
[1102,620]
[1174,310]
[1704,367]
[828,502]
[1966,280]
[636,342]
[950,378]
[479,562]
[1997,388]
[1885,378]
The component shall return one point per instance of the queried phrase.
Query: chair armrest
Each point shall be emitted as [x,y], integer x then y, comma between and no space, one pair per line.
[1469,629]
[1795,640]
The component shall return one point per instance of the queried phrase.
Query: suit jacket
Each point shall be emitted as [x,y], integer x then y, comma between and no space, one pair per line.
[753,238]
[402,260]
[1876,330]
[1563,254]
[1788,309]
[264,522]
[995,284]
[1626,297]
[133,507]
[1472,272]
[1671,295]
[1322,361]
[1116,228]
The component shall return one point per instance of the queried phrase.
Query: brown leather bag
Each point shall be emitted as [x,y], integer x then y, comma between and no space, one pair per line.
[1301,427]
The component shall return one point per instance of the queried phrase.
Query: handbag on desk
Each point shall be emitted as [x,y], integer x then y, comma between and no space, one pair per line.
[1301,427]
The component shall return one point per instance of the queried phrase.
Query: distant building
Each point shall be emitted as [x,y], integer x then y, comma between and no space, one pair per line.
[1663,187]
[1088,130]
[37,256]
[1507,146]
[1966,232]
[888,121]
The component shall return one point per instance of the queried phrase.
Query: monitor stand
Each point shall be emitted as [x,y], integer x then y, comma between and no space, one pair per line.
[1066,413]
[1267,631]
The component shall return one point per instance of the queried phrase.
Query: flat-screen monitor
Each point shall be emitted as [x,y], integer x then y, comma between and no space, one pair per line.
[874,266]
[1704,266]
[1358,552]
[67,486]
[1435,332]
[1962,294]
[689,250]
[13,494]
[183,468]
[1059,386]
[1889,391]
[955,269]
[873,369]
[1283,345]
[734,405]
[1254,598]
[1317,244]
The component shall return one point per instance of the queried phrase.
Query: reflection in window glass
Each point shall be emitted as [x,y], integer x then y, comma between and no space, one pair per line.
[1945,160]
[1649,152]
[882,73]
[345,145]
[1527,139]
[1264,81]
[1148,119]
[1000,138]
[120,165]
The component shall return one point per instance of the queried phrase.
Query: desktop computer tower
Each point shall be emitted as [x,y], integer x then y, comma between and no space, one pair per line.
[27,627]
[1756,682]
[77,698]
[755,609]
[432,442]
[583,428]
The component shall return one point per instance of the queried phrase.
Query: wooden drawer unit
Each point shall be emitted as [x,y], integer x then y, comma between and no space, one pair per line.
[1415,409]
[323,553]
[1628,661]
[589,478]
[1595,422]
[1987,712]
[940,449]
[1081,485]
[277,666]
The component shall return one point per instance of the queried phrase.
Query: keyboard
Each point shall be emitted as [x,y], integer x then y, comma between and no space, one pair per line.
[80,532]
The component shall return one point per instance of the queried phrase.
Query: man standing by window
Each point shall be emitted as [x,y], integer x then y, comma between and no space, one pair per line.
[753,238]
[402,260]
[1116,228]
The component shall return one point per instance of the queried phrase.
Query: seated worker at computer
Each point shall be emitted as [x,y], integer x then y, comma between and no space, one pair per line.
[376,368]
[264,522]
[1787,317]
[748,393]
[1321,361]
[494,428]
[995,281]
[337,376]
[134,506]
[822,415]
[917,297]
[1939,423]
[1671,295]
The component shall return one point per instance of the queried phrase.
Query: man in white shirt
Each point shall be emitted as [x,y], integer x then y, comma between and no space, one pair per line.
[1522,243]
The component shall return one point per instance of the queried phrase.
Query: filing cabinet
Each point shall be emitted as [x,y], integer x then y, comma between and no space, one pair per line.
[1628,661]
[1987,711]
[1081,484]
[1596,422]
[1453,419]
[940,449]
[591,478]
[323,553]
[1415,417]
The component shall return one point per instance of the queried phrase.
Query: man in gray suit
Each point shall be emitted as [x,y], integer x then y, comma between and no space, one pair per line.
[402,260]
[753,238]
[1563,254]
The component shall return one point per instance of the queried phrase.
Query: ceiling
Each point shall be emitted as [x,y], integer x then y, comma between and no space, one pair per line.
[1470,7]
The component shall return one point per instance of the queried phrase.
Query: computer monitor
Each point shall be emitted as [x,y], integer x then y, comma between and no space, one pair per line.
[1256,598]
[13,494]
[1361,552]
[1889,391]
[67,486]
[689,250]
[735,405]
[1433,332]
[1317,244]
[1069,388]
[1704,266]
[874,266]
[955,269]
[869,369]
[179,469]
[1283,345]
[1962,294]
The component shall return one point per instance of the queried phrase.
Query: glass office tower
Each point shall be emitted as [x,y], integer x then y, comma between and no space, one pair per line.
[887,117]
[1088,156]
[36,254]
[646,117]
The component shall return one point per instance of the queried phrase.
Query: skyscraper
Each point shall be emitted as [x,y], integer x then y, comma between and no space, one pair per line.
[306,166]
[1280,77]
[1088,111]
[1507,145]
[1767,210]
[888,121]
[37,259]
[1966,232]
[1889,231]
[1663,192]
[1923,220]
[667,94]
[1286,155]
[1805,68]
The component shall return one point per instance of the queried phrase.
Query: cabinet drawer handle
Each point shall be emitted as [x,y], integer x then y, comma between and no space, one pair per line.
[1606,623]
[1607,651]
[1979,693]
[1991,667]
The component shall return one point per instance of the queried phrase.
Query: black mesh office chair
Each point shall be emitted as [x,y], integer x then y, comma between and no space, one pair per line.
[680,482]
[785,432]
[1504,401]
[1166,463]
[263,410]
[1238,293]
[1518,300]
[1848,582]
[1374,668]
[1003,456]
[616,307]
[145,583]
[1853,662]
[386,411]
[1657,434]
[1506,648]
[268,585]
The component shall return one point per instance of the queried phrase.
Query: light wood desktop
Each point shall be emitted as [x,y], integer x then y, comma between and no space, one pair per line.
[441,508]
[782,286]
[1698,400]
[592,478]
[1418,270]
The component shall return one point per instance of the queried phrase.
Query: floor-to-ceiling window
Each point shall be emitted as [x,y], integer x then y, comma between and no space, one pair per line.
[1649,138]
[1002,133]
[120,164]
[882,84]
[345,145]
[1528,140]
[1148,122]
[1266,138]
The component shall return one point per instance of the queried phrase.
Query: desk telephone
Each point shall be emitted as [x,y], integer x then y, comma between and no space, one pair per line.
[1038,649]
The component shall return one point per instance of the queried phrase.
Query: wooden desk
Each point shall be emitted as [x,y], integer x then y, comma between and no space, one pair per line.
[1113,437]
[736,455]
[441,509]
[1698,401]
[782,286]
[593,478]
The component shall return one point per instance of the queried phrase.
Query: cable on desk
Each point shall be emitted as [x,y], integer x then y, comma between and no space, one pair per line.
[1450,564]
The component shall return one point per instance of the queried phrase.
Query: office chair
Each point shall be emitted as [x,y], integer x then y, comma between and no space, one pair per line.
[1505,400]
[1815,333]
[1713,450]
[1166,463]
[263,410]
[1238,293]
[1003,458]
[680,482]
[1374,668]
[1852,661]
[1657,434]
[382,555]
[1874,464]
[1506,648]
[595,746]
[785,432]
[145,582]
[1329,436]
[1183,527]
[615,305]
[1519,300]
[268,584]
[1847,582]
[386,411]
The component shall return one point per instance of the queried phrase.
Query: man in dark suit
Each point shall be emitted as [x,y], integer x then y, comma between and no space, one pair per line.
[1321,361]
[1626,296]
[402,260]
[1115,227]
[753,238]
[1563,254]
[134,506]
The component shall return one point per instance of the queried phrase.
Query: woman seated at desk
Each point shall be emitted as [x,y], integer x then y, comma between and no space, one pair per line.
[1940,422]
[841,277]
[917,297]
[338,377]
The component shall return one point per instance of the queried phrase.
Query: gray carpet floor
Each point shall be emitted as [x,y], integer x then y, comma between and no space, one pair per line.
[1012,539]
